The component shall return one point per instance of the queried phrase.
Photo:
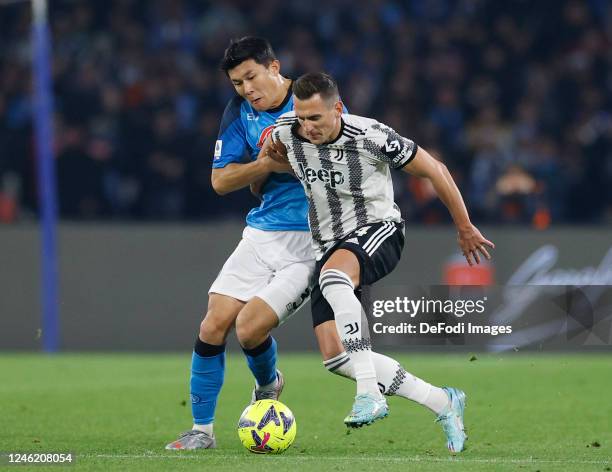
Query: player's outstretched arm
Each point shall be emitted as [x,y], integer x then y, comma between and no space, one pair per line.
[471,241]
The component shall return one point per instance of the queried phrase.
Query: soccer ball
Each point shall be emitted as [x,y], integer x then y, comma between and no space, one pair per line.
[267,427]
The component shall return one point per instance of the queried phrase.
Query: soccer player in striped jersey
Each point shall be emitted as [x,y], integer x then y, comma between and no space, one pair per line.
[344,162]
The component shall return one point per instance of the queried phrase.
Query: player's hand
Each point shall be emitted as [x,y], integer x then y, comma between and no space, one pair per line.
[274,156]
[472,244]
[278,152]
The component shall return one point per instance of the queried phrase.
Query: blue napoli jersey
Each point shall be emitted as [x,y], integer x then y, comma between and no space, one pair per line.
[243,131]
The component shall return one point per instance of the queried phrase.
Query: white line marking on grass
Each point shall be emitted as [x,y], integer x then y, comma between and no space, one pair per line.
[491,460]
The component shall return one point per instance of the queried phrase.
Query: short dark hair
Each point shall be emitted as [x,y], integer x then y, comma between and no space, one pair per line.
[316,82]
[243,49]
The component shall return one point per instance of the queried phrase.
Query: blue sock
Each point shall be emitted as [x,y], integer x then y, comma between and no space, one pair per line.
[262,361]
[207,372]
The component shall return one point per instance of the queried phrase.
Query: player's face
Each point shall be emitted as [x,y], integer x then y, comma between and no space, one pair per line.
[258,84]
[319,119]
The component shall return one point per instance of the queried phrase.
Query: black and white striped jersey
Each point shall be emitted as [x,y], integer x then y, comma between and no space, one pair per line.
[348,181]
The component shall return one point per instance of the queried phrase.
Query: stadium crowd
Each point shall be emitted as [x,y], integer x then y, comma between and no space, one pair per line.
[513,96]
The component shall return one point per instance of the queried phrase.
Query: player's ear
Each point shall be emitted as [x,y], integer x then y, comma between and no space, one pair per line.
[274,67]
[338,107]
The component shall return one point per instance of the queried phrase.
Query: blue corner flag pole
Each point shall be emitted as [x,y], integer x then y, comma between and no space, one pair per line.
[43,106]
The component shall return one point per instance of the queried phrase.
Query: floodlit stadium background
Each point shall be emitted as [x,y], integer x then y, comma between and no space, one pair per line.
[513,96]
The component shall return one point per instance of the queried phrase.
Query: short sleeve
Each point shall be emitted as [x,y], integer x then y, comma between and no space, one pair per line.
[282,127]
[231,142]
[384,144]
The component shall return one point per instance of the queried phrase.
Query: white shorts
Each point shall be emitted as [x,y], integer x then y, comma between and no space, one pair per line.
[276,266]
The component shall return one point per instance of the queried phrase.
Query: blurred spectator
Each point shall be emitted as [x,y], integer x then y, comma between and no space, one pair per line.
[517,194]
[80,176]
[514,97]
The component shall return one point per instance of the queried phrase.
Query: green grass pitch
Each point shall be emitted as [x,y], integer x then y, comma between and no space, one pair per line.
[525,412]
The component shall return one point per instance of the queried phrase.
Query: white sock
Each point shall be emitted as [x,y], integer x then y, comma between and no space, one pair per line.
[207,428]
[270,386]
[338,290]
[437,400]
[393,379]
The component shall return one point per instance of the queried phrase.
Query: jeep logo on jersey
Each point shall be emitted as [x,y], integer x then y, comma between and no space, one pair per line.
[310,175]
[264,134]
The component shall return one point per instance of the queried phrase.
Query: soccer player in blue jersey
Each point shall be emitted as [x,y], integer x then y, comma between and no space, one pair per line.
[267,277]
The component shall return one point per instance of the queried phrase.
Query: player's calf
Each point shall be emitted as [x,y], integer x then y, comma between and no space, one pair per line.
[207,371]
[338,289]
[253,326]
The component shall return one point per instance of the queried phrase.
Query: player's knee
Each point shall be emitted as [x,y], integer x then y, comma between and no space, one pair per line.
[248,334]
[245,335]
[332,280]
[342,263]
[251,331]
[215,327]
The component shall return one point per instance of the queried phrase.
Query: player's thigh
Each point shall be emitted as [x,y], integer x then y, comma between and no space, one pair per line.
[244,273]
[289,289]
[377,248]
[220,318]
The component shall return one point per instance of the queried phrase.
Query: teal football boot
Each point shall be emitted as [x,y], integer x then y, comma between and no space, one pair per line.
[451,420]
[366,409]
